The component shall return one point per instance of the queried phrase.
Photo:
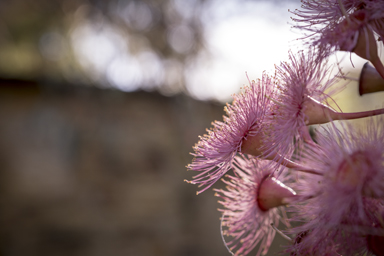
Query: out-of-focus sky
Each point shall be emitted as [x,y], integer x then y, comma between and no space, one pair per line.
[240,36]
[249,37]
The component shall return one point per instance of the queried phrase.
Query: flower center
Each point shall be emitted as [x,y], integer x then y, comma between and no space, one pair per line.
[252,144]
[349,173]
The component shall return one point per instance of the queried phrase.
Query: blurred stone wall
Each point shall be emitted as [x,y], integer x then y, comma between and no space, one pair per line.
[87,171]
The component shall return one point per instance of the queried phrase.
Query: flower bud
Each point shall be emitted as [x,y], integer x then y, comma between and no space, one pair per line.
[273,193]
[370,80]
[376,244]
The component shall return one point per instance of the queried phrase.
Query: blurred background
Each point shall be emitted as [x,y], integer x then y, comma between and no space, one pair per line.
[100,105]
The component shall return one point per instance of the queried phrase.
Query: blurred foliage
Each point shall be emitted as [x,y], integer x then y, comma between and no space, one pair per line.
[40,41]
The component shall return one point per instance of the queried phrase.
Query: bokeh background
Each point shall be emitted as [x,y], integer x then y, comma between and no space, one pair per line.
[100,105]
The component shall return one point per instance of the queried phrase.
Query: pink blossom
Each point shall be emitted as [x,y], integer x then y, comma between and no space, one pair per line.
[320,18]
[344,204]
[301,84]
[251,201]
[347,25]
[215,151]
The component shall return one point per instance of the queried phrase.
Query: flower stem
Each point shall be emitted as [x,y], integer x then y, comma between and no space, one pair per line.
[356,115]
[319,113]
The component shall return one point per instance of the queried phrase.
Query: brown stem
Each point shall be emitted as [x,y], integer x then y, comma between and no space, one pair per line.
[356,115]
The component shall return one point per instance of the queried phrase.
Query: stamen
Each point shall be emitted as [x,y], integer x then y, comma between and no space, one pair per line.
[281,233]
[222,236]
[347,77]
[344,12]
[297,167]
[275,101]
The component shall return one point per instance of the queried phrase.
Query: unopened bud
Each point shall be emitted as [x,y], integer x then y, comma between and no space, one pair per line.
[370,80]
[273,193]
[375,244]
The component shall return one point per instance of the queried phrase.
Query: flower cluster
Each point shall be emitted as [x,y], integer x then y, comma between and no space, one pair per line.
[331,183]
[345,25]
[344,205]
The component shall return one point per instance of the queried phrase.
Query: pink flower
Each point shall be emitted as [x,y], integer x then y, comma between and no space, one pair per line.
[251,202]
[297,103]
[267,117]
[321,17]
[301,84]
[345,239]
[344,204]
[346,25]
[215,151]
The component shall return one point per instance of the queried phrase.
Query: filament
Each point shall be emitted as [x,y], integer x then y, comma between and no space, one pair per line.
[281,233]
[222,236]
